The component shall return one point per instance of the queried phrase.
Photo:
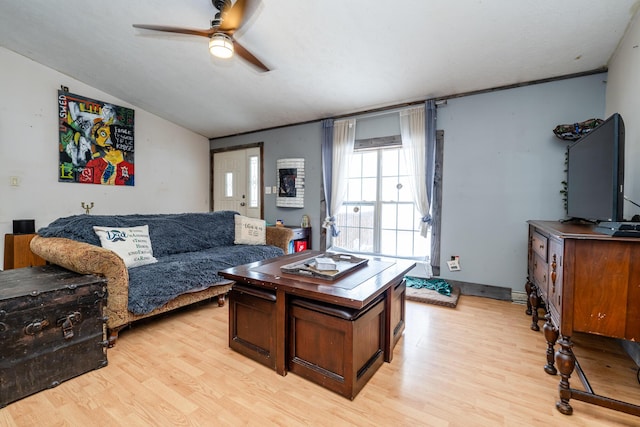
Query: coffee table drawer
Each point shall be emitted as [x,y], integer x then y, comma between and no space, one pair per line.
[252,323]
[396,318]
[336,347]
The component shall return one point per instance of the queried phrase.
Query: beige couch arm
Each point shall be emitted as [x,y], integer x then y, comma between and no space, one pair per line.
[85,258]
[280,237]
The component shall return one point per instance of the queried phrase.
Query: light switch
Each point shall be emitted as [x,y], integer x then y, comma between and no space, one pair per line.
[267,190]
[274,189]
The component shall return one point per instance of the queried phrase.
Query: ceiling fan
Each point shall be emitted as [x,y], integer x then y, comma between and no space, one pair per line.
[227,21]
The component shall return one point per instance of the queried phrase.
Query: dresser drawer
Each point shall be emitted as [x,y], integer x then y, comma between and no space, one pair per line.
[539,245]
[299,233]
[540,275]
[554,298]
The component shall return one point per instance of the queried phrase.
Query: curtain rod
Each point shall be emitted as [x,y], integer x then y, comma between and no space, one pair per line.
[379,111]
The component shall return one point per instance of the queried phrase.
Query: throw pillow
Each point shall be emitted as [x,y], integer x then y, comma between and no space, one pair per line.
[250,231]
[132,244]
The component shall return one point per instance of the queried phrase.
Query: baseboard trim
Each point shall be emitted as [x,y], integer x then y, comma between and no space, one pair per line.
[480,290]
[519,297]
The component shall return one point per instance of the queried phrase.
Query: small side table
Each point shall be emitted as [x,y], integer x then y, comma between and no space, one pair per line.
[302,235]
[17,253]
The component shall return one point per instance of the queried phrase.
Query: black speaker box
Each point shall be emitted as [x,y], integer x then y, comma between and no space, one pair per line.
[24,226]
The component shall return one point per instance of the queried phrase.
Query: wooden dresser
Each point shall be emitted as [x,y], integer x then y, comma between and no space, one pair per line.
[589,282]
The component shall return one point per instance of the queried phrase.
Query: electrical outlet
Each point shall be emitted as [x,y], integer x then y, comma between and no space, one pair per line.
[453,265]
[274,189]
[14,181]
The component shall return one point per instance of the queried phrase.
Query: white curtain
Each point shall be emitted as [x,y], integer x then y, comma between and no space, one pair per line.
[412,131]
[344,135]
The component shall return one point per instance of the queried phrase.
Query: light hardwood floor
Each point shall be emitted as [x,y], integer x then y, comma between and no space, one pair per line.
[476,365]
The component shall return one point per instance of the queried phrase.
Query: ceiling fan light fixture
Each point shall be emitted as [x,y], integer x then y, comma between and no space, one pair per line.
[221,46]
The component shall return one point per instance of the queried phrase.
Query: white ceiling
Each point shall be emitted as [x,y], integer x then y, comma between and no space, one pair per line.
[328,57]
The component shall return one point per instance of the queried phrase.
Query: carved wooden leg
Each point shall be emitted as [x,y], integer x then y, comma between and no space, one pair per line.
[566,363]
[221,300]
[113,336]
[551,335]
[527,289]
[534,302]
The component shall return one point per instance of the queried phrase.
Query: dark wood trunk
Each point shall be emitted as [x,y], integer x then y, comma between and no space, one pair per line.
[51,328]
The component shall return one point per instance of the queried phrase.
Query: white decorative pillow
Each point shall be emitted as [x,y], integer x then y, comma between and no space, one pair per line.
[250,231]
[132,244]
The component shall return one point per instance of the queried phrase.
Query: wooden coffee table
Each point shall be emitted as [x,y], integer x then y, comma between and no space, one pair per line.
[336,333]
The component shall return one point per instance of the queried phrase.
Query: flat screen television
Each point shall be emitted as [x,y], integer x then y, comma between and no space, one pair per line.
[595,173]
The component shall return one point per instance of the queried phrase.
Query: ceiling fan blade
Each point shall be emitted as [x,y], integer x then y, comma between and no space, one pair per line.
[237,15]
[189,31]
[248,56]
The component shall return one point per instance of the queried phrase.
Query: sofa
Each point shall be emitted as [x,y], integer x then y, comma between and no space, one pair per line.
[181,256]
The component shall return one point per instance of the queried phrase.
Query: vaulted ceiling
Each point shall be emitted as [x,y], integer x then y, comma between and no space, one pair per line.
[327,58]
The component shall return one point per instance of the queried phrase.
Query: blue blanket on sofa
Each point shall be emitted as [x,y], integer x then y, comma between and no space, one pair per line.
[191,248]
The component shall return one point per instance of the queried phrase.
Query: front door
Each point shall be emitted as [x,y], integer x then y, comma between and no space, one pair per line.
[237,181]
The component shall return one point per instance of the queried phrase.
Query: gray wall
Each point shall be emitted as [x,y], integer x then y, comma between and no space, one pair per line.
[301,141]
[502,166]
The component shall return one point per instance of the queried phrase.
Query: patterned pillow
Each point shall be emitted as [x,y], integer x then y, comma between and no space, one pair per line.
[132,244]
[250,231]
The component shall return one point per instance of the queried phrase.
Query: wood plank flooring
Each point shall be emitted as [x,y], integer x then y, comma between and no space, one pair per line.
[476,365]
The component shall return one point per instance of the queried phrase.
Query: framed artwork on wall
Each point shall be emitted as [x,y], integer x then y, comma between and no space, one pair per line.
[290,183]
[95,141]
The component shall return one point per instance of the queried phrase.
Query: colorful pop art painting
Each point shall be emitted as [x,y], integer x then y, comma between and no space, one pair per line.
[96,141]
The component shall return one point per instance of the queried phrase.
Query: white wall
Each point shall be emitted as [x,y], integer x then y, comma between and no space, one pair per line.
[172,163]
[502,167]
[623,96]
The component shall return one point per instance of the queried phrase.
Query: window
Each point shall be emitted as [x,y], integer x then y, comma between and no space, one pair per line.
[378,215]
[254,177]
[228,184]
